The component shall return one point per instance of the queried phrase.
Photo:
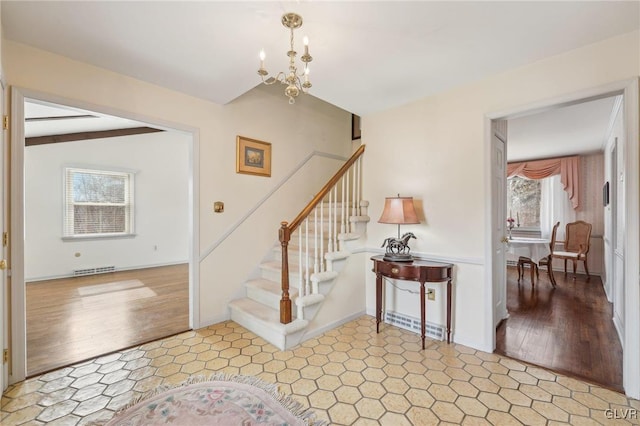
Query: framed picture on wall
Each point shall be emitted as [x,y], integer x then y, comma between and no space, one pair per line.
[605,194]
[253,157]
[355,127]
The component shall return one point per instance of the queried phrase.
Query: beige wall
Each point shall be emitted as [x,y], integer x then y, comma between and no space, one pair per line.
[263,113]
[592,209]
[434,150]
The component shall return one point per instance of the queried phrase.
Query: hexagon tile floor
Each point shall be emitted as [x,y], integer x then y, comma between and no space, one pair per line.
[348,375]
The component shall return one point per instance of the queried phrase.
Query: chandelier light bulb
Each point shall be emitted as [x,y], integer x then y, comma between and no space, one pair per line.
[305,40]
[262,55]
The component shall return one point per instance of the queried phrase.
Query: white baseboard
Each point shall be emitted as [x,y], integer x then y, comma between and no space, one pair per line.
[215,320]
[118,269]
[318,331]
[618,325]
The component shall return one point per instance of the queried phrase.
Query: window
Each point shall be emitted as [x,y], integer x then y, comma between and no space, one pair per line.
[98,203]
[523,201]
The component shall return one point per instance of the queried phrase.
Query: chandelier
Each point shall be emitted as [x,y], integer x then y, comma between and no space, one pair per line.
[291,78]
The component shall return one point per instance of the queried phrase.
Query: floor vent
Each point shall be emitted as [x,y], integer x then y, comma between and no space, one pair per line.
[93,271]
[433,331]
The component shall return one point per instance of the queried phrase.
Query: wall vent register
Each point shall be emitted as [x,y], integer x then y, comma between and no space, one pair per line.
[434,331]
[93,271]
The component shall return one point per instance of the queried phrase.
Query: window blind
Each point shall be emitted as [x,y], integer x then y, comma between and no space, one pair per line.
[98,202]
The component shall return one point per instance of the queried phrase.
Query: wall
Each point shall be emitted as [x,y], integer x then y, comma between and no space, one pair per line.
[263,113]
[590,211]
[161,204]
[438,144]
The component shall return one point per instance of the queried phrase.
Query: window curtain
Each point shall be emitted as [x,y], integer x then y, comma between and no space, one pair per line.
[555,206]
[566,167]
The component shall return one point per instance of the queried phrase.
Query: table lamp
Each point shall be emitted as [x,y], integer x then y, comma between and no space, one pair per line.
[398,210]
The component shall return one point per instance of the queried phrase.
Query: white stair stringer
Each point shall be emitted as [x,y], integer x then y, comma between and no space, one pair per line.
[259,311]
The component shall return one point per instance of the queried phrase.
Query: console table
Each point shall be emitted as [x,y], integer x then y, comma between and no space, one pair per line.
[419,270]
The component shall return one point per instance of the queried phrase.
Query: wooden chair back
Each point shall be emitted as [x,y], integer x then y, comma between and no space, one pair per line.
[552,244]
[577,237]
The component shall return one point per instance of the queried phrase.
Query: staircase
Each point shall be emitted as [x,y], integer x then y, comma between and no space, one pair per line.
[312,251]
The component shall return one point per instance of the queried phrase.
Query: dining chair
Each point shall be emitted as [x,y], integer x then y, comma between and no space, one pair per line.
[548,261]
[575,246]
[525,261]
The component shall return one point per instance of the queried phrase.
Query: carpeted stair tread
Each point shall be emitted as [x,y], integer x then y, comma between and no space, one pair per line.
[270,286]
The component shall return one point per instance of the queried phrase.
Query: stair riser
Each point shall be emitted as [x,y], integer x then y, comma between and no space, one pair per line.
[265,297]
[276,275]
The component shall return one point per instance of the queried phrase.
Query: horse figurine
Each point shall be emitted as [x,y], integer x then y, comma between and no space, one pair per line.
[398,245]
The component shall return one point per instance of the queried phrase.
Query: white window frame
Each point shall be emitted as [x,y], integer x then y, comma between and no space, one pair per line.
[68,231]
[527,229]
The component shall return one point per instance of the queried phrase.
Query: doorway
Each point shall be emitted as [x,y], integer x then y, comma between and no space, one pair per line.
[629,89]
[134,239]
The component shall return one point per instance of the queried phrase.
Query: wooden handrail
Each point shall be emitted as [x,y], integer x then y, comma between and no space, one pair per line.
[285,231]
[325,189]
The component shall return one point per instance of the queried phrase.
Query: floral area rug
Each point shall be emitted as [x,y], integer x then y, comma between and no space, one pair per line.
[217,400]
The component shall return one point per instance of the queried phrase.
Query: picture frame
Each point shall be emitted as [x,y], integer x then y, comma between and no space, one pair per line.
[605,194]
[355,127]
[253,157]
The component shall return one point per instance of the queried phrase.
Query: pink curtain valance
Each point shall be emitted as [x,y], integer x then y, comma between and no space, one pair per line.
[566,167]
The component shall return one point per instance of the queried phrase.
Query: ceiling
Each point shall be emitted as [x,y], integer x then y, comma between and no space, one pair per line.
[576,129]
[45,119]
[368,55]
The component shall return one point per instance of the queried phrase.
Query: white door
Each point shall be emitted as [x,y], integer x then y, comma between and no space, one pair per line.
[4,318]
[498,214]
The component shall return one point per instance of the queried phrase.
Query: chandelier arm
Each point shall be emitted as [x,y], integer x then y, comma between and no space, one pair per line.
[279,78]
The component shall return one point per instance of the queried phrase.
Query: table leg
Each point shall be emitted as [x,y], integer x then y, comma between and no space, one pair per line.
[449,310]
[533,282]
[378,301]
[422,313]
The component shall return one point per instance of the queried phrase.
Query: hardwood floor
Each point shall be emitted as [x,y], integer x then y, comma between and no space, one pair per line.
[73,319]
[568,329]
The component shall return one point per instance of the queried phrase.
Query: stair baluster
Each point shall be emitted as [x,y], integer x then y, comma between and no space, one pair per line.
[306,256]
[322,236]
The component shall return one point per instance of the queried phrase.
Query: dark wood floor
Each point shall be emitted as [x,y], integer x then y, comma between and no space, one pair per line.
[73,319]
[567,329]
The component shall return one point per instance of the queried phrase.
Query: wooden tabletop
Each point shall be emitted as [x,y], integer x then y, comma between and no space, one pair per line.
[416,262]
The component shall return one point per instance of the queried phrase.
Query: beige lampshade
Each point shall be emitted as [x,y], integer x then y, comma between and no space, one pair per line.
[398,210]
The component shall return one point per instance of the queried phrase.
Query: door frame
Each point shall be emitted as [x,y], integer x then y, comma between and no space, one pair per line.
[629,90]
[18,342]
[498,231]
[4,227]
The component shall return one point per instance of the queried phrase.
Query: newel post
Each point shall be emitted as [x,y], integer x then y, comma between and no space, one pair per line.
[285,303]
